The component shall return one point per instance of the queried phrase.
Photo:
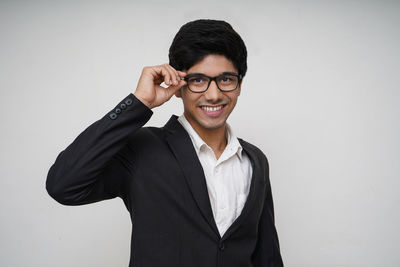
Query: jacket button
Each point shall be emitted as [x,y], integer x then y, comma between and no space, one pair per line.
[117,110]
[113,116]
[221,246]
[123,106]
[128,101]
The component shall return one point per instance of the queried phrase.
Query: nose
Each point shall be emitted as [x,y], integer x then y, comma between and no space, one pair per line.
[213,94]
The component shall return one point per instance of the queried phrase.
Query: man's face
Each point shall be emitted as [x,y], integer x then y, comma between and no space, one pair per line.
[209,110]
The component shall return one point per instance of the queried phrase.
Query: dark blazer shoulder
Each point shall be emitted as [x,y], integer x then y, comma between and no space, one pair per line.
[147,132]
[160,133]
[147,139]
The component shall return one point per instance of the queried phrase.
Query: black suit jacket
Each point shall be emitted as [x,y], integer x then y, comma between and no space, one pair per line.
[159,177]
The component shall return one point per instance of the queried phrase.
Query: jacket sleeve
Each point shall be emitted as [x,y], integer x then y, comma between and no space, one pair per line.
[93,166]
[267,252]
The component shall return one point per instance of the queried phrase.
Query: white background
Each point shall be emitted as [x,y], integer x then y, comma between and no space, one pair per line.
[321,99]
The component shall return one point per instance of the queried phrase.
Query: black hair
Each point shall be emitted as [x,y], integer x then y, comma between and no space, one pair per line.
[199,38]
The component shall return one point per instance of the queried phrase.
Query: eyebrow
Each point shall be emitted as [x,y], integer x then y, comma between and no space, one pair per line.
[202,74]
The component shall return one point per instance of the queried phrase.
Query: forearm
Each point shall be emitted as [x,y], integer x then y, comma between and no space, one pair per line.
[75,177]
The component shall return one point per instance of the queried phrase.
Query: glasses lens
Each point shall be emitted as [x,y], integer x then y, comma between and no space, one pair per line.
[227,82]
[198,83]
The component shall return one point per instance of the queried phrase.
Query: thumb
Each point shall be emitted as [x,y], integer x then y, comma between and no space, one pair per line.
[173,88]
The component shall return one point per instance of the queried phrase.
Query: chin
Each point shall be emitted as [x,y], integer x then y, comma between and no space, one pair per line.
[212,126]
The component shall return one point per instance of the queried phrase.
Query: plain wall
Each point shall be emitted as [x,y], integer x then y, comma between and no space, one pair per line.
[321,99]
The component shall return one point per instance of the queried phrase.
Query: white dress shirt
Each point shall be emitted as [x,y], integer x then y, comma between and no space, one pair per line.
[228,177]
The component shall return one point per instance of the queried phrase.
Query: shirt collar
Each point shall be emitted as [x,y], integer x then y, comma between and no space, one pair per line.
[233,146]
[233,142]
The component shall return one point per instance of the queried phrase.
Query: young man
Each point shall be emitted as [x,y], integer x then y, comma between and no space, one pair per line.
[197,195]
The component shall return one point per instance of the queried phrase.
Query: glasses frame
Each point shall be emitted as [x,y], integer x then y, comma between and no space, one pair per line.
[239,76]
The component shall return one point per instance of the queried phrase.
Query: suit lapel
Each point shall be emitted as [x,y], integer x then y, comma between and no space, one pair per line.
[182,147]
[256,187]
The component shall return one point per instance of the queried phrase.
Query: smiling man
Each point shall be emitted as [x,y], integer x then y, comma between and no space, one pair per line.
[197,194]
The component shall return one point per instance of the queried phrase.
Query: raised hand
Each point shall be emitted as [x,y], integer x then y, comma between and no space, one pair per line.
[149,90]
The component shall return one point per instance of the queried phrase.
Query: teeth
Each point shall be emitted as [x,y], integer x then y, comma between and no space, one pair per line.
[211,109]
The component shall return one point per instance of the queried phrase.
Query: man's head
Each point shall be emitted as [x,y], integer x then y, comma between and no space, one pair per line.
[210,48]
[199,38]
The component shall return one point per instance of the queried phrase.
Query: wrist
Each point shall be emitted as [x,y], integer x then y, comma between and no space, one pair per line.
[143,100]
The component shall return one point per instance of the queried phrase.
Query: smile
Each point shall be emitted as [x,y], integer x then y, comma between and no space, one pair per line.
[211,109]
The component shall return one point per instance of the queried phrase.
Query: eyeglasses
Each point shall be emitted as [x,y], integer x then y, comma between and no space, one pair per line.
[199,83]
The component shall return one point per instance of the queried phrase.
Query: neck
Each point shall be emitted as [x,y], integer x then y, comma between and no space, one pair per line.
[214,138]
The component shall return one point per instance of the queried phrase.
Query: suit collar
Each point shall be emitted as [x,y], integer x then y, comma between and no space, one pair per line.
[232,147]
[182,147]
[256,186]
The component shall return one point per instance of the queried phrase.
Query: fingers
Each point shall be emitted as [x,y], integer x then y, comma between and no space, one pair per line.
[171,77]
[171,90]
[175,76]
[181,73]
[165,73]
[179,84]
[149,89]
